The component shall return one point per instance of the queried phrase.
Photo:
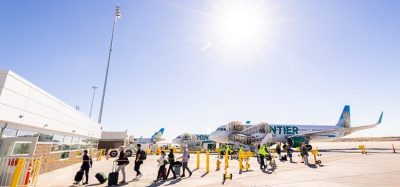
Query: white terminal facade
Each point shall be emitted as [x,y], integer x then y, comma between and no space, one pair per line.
[35,123]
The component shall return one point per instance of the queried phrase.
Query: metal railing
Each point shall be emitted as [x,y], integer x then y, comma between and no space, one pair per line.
[19,171]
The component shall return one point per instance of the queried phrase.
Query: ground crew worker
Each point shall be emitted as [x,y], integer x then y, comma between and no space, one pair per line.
[278,151]
[228,148]
[304,153]
[262,153]
[222,151]
[289,152]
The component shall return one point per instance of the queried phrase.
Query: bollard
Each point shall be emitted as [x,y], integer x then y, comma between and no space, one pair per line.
[226,160]
[394,150]
[207,162]
[218,165]
[198,160]
[17,172]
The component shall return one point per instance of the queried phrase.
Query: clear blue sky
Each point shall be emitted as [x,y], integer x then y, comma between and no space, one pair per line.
[183,66]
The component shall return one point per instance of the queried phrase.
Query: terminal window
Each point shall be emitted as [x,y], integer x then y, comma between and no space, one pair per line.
[21,148]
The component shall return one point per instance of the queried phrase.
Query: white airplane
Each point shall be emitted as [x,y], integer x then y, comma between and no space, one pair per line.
[157,137]
[262,133]
[186,137]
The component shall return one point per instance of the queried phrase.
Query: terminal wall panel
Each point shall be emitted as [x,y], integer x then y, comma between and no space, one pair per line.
[38,108]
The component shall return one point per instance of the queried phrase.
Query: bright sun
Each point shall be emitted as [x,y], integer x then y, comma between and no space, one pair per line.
[239,24]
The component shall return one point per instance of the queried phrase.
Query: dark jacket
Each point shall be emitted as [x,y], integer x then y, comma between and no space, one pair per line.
[139,151]
[171,157]
[85,162]
[123,159]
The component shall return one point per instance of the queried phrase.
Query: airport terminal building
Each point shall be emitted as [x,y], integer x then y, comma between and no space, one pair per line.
[34,123]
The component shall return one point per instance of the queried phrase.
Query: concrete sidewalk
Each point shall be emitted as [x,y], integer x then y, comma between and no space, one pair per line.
[337,169]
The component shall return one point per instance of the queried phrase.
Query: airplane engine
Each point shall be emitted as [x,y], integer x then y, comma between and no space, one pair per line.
[297,140]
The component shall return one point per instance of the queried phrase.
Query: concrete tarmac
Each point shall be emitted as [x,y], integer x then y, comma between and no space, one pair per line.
[342,165]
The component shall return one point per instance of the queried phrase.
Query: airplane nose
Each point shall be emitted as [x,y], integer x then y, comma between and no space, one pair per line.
[214,136]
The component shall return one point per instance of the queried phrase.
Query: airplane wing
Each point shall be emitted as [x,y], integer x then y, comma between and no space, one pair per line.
[342,130]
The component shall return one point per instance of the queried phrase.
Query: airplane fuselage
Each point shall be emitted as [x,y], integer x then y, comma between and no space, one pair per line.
[280,132]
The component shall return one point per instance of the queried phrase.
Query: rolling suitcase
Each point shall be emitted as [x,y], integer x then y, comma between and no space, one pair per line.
[177,168]
[113,177]
[78,176]
[101,177]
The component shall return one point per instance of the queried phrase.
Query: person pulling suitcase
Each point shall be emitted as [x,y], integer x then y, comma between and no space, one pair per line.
[86,164]
[121,163]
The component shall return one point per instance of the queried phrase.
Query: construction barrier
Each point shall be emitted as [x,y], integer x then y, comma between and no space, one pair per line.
[21,171]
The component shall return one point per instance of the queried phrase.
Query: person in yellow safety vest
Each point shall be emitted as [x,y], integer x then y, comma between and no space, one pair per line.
[228,148]
[262,153]
[222,151]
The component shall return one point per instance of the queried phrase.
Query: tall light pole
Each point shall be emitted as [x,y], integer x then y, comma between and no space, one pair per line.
[91,106]
[117,16]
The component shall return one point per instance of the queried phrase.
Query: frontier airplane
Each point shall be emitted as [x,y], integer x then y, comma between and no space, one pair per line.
[237,133]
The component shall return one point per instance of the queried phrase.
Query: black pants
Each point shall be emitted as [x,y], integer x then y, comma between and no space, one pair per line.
[86,170]
[137,167]
[160,174]
[262,164]
[171,168]
[185,167]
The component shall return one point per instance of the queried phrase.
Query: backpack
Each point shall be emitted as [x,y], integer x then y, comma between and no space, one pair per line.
[143,155]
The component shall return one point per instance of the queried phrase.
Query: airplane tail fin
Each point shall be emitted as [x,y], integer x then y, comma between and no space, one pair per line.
[344,120]
[161,131]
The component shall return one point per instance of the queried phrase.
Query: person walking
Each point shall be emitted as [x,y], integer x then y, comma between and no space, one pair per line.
[304,153]
[278,151]
[161,167]
[289,152]
[86,164]
[121,163]
[171,160]
[138,162]
[262,153]
[222,151]
[185,159]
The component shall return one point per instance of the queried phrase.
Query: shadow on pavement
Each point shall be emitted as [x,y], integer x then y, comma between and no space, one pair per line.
[174,182]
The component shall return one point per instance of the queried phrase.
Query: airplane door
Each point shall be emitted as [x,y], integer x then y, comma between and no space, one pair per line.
[18,146]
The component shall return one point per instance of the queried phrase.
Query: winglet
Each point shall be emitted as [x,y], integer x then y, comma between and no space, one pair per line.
[380,118]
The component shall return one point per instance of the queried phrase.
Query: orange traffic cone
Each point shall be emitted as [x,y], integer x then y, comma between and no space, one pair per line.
[394,150]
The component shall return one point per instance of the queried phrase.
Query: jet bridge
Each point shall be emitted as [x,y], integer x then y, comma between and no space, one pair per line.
[235,126]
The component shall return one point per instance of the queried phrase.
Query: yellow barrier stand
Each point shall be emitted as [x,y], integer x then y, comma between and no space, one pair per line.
[158,150]
[207,161]
[17,172]
[362,148]
[315,153]
[198,160]
[225,175]
[246,156]
[100,155]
